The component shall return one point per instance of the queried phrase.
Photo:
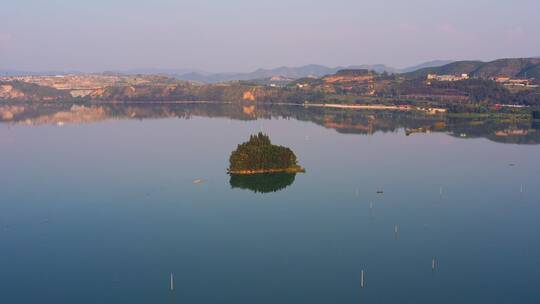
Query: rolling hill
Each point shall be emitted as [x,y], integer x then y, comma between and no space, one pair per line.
[429,64]
[510,67]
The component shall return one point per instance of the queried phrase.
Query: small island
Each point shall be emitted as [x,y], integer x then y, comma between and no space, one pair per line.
[259,155]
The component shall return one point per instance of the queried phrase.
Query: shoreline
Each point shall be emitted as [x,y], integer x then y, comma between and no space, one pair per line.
[265,171]
[362,106]
[429,110]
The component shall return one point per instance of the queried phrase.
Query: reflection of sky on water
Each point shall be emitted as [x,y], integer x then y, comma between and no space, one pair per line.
[109,210]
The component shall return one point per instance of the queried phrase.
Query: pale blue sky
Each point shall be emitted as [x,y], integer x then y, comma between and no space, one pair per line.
[242,35]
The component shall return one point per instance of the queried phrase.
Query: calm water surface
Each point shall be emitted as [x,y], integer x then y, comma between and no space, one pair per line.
[104,212]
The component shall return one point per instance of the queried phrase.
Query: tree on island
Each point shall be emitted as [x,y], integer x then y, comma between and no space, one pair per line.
[259,155]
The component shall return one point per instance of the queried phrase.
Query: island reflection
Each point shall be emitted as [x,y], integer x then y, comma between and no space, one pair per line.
[364,122]
[262,183]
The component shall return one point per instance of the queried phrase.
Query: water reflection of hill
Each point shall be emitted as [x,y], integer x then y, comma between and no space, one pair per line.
[262,183]
[343,121]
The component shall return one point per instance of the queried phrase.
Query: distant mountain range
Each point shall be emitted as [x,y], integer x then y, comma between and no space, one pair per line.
[312,70]
[288,72]
[511,67]
[429,64]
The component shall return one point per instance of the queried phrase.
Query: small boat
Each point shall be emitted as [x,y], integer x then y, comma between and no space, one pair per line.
[197,181]
[380,192]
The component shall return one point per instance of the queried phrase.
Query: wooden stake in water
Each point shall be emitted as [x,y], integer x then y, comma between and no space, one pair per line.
[396,229]
[362,279]
[521,189]
[370,205]
[433,264]
[172,282]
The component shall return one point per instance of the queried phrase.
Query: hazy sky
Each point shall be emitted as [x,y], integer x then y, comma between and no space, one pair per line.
[242,35]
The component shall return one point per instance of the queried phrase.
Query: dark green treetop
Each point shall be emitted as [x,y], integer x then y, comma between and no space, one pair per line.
[259,155]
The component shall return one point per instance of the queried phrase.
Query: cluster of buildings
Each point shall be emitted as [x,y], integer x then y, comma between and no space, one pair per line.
[504,80]
[515,82]
[447,77]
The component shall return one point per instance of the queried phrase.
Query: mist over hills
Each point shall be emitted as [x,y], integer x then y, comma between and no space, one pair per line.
[511,67]
[429,64]
[311,70]
[16,73]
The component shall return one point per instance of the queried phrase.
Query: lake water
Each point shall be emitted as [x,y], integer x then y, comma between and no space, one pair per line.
[104,211]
